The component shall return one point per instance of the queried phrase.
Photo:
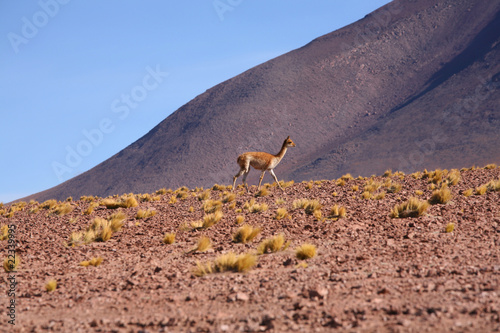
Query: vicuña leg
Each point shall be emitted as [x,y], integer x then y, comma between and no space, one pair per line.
[276,179]
[260,180]
[242,171]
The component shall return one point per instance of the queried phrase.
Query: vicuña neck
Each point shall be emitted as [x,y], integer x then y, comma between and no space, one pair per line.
[282,151]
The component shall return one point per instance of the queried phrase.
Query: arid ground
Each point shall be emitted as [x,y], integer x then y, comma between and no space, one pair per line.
[372,272]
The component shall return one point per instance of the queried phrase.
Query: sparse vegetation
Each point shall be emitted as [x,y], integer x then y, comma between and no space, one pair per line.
[51,285]
[450,227]
[90,208]
[169,238]
[211,219]
[274,244]
[92,262]
[246,234]
[305,251]
[258,208]
[211,206]
[468,192]
[411,208]
[240,219]
[281,213]
[4,232]
[144,214]
[100,230]
[262,192]
[203,244]
[440,196]
[124,202]
[227,262]
[338,212]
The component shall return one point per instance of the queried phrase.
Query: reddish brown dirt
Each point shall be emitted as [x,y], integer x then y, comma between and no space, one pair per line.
[372,272]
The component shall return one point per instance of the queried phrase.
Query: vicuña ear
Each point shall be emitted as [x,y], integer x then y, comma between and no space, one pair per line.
[288,138]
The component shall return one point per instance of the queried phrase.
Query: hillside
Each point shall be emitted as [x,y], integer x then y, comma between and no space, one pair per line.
[413,85]
[436,272]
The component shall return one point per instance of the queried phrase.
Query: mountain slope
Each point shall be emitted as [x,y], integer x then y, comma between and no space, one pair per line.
[361,99]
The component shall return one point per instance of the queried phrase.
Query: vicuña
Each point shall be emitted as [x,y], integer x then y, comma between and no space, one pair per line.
[261,161]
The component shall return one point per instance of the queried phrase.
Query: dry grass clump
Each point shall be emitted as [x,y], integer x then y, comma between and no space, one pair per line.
[380,196]
[203,244]
[481,189]
[273,244]
[440,196]
[435,176]
[355,188]
[62,208]
[491,166]
[144,214]
[372,186]
[286,184]
[211,206]
[92,262]
[246,234]
[453,178]
[281,213]
[211,219]
[411,208]
[347,177]
[229,197]
[340,182]
[449,227]
[312,207]
[48,204]
[338,212]
[161,191]
[90,208]
[4,232]
[418,192]
[468,192]
[100,230]
[169,238]
[305,251]
[387,173]
[51,285]
[392,187]
[262,192]
[258,208]
[366,195]
[218,187]
[10,264]
[299,203]
[493,185]
[227,262]
[124,202]
[173,200]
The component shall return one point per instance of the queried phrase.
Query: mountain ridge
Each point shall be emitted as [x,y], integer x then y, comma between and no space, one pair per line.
[336,97]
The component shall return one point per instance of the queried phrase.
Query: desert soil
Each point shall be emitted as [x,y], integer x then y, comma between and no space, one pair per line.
[371,272]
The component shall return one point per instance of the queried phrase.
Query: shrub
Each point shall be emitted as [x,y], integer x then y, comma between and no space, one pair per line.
[230,197]
[411,208]
[211,219]
[203,244]
[440,196]
[227,262]
[169,238]
[274,244]
[143,214]
[92,262]
[4,232]
[211,206]
[468,193]
[281,213]
[245,234]
[51,285]
[262,192]
[305,251]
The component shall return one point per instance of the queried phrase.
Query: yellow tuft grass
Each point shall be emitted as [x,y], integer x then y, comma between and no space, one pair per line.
[338,212]
[481,189]
[453,177]
[51,285]
[90,208]
[169,238]
[227,262]
[449,227]
[62,208]
[211,219]
[48,204]
[161,191]
[411,208]
[380,196]
[491,166]
[124,202]
[144,214]
[229,197]
[173,200]
[258,208]
[440,196]
[211,206]
[203,244]
[92,262]
[274,244]
[312,206]
[305,251]
[240,219]
[468,193]
[262,193]
[281,213]
[366,195]
[4,232]
[246,234]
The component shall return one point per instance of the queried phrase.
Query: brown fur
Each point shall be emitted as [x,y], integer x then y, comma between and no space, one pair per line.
[261,161]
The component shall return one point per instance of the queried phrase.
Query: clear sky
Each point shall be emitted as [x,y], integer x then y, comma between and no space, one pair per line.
[81,80]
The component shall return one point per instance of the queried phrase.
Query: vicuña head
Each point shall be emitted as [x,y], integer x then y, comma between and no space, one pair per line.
[261,161]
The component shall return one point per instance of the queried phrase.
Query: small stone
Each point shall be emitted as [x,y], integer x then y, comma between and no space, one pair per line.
[240,296]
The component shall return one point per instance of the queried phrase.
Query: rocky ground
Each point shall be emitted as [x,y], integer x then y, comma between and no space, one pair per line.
[371,273]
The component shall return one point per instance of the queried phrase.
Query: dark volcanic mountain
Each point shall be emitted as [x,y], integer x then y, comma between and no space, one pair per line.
[413,85]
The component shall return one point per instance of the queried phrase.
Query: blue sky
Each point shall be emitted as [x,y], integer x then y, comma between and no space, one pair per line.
[81,80]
